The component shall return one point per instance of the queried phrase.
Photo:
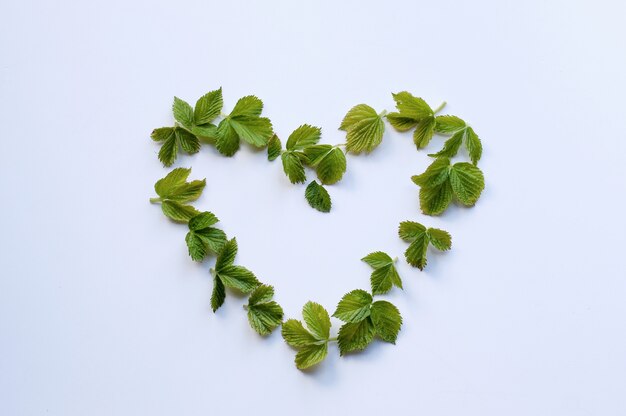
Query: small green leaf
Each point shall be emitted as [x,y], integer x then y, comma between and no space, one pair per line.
[310,355]
[162,134]
[197,248]
[435,199]
[410,106]
[317,320]
[312,343]
[219,294]
[448,124]
[248,106]
[202,220]
[474,146]
[416,234]
[226,256]
[435,174]
[227,139]
[238,277]
[264,315]
[357,114]
[183,113]
[440,239]
[451,146]
[292,165]
[255,130]
[208,107]
[177,211]
[355,336]
[207,132]
[467,182]
[400,122]
[203,238]
[354,306]
[318,197]
[188,142]
[420,237]
[385,275]
[296,335]
[274,148]
[262,294]
[303,137]
[365,129]
[386,320]
[331,167]
[424,132]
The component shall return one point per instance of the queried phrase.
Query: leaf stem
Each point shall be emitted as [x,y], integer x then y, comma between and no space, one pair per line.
[155,200]
[333,339]
[382,113]
[441,106]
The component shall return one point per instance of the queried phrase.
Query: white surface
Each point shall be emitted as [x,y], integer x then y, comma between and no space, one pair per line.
[103,313]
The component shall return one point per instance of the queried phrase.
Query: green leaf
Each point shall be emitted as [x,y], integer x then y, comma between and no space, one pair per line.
[440,239]
[435,174]
[357,114]
[206,132]
[168,152]
[183,113]
[264,314]
[420,237]
[203,238]
[202,220]
[365,129]
[162,134]
[174,191]
[330,165]
[243,123]
[467,182]
[177,211]
[226,256]
[386,320]
[262,294]
[411,106]
[208,107]
[448,124]
[172,138]
[435,199]
[248,106]
[227,139]
[296,335]
[195,245]
[385,275]
[317,320]
[355,336]
[416,234]
[310,355]
[274,148]
[451,146]
[354,306]
[219,294]
[318,197]
[238,277]
[292,165]
[424,132]
[474,146]
[303,137]
[164,186]
[255,130]
[312,343]
[188,142]
[400,122]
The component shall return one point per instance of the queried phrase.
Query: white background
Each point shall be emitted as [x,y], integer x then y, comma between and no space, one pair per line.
[103,313]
